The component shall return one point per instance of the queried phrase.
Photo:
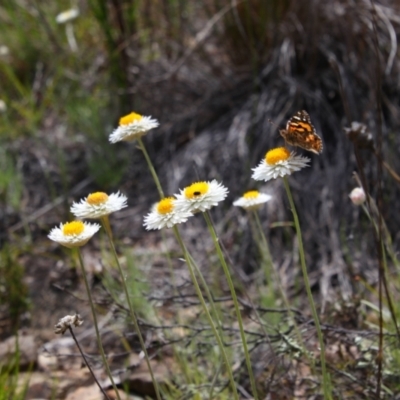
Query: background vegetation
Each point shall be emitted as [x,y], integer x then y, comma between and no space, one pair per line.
[215,74]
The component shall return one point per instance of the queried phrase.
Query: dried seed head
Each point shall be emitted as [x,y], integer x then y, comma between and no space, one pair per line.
[66,322]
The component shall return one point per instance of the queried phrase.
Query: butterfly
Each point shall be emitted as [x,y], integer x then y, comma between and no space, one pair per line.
[301,132]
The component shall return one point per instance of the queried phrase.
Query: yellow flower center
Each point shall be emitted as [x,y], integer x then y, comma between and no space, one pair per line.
[166,205]
[130,118]
[94,199]
[276,155]
[196,190]
[73,228]
[252,194]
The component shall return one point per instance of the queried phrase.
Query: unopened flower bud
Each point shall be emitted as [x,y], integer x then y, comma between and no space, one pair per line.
[357,196]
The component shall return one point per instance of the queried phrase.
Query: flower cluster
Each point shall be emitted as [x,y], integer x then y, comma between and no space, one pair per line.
[169,211]
[198,197]
[277,163]
[95,206]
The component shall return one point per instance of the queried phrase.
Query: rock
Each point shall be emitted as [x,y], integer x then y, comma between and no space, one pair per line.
[53,384]
[21,348]
[60,353]
[139,380]
[88,393]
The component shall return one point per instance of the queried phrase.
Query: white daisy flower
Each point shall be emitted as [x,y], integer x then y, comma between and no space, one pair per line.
[357,196]
[252,200]
[131,127]
[4,51]
[73,234]
[164,214]
[201,196]
[278,163]
[98,205]
[67,16]
[3,106]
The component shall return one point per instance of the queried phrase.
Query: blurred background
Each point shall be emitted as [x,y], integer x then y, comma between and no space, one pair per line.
[222,77]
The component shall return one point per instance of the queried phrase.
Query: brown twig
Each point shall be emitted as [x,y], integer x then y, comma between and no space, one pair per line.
[87,363]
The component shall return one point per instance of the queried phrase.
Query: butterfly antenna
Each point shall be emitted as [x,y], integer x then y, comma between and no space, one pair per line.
[271,122]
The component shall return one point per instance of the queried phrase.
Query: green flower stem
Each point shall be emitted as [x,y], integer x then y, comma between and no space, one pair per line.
[235,302]
[216,312]
[107,228]
[266,254]
[151,167]
[386,246]
[182,358]
[161,194]
[210,298]
[208,293]
[96,327]
[105,221]
[207,313]
[325,375]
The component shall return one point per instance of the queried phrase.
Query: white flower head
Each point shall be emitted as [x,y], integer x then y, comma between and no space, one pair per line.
[278,163]
[3,106]
[357,196]
[73,234]
[164,214]
[131,127]
[4,51]
[98,205]
[201,196]
[252,200]
[67,16]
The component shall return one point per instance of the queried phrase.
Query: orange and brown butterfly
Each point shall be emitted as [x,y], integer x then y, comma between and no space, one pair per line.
[301,132]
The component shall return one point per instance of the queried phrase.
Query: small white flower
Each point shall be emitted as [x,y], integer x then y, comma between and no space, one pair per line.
[73,234]
[357,196]
[67,16]
[201,196]
[164,214]
[131,127]
[3,106]
[4,51]
[278,163]
[98,205]
[252,200]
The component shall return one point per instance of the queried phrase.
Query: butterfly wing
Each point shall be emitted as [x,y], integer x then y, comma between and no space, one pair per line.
[301,132]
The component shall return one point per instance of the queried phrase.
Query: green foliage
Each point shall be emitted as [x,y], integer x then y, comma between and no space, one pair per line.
[13,291]
[42,76]
[9,389]
[137,286]
[86,117]
[10,181]
[12,385]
